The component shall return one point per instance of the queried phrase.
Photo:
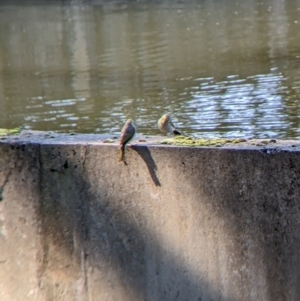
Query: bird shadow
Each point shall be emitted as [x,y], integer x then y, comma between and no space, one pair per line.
[145,154]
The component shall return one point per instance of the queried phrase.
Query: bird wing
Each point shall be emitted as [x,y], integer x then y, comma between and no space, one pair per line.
[127,134]
[172,124]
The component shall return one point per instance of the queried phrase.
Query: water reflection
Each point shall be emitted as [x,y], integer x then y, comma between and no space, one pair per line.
[222,68]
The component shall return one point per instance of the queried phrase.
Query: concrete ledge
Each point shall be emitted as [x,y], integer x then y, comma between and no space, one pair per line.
[176,223]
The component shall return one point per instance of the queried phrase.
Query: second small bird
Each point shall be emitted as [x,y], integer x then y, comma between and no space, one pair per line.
[127,134]
[166,125]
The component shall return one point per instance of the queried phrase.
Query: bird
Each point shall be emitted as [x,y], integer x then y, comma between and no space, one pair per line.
[128,132]
[166,125]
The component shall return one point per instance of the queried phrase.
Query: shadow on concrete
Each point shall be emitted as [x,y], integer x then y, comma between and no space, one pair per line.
[223,225]
[145,154]
[100,235]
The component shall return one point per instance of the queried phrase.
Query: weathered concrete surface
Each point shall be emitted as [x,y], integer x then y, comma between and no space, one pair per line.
[174,224]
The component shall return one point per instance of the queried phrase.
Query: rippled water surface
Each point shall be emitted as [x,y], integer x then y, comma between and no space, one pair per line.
[221,68]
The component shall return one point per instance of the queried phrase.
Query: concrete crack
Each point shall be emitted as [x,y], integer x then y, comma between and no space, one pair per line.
[84,156]
[3,185]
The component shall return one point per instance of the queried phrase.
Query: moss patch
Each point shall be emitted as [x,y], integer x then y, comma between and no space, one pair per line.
[5,132]
[108,141]
[190,141]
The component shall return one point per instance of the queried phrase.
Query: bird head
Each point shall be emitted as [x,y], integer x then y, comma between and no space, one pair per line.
[166,118]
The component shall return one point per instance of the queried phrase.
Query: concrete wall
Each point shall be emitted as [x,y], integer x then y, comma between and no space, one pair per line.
[174,224]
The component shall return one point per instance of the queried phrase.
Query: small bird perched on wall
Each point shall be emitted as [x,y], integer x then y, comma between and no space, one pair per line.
[128,131]
[166,125]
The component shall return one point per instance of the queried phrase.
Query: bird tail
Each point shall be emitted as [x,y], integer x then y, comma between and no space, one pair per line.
[122,153]
[175,132]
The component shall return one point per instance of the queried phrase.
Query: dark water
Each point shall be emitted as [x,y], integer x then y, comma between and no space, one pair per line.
[221,68]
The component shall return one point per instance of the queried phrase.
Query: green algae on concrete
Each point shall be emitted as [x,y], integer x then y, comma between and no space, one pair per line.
[190,141]
[5,132]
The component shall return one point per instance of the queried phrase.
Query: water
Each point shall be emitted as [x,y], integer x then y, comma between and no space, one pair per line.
[221,68]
